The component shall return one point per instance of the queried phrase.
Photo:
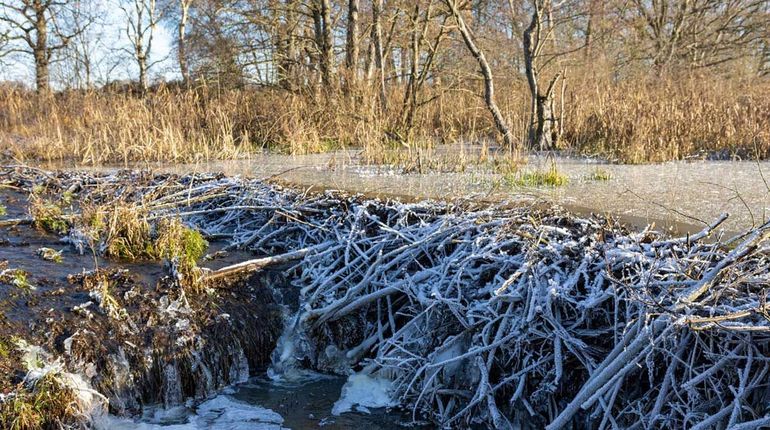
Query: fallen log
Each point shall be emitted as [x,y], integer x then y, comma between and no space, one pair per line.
[261,263]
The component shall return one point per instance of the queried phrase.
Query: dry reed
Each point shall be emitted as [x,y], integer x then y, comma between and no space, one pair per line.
[634,121]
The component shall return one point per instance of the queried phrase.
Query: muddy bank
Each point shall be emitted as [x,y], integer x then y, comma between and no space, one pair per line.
[129,328]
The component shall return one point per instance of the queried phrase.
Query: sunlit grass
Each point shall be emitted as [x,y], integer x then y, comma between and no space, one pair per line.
[537,178]
[599,174]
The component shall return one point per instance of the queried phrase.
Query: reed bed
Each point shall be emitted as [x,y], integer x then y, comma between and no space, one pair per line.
[499,317]
[634,121]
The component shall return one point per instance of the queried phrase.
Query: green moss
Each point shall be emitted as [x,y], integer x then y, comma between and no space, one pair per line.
[175,240]
[3,210]
[193,244]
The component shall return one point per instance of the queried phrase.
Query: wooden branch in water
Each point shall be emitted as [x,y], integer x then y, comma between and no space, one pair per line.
[15,221]
[261,263]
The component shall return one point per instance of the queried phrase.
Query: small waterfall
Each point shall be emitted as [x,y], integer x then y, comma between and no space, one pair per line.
[289,351]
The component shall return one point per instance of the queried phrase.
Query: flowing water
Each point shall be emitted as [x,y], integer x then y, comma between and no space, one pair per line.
[305,401]
[264,404]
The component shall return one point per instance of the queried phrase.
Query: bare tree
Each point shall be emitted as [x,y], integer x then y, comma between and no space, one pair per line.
[379,61]
[544,125]
[542,129]
[142,18]
[83,59]
[486,72]
[321,10]
[694,33]
[36,28]
[422,58]
[4,43]
[287,44]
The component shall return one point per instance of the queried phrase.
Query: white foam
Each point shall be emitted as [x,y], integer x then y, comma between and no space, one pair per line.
[364,391]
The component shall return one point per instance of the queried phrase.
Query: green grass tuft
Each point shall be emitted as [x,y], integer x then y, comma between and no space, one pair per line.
[538,178]
[599,174]
[48,215]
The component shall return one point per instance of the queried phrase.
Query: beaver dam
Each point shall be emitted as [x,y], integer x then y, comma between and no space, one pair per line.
[136,300]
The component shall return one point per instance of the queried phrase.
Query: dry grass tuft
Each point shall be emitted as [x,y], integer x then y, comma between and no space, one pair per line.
[48,215]
[127,233]
[48,404]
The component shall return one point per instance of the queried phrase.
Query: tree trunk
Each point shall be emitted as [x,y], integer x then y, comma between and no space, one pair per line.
[369,61]
[319,43]
[486,71]
[409,104]
[378,54]
[327,53]
[352,49]
[183,67]
[40,51]
[543,130]
[287,42]
[141,62]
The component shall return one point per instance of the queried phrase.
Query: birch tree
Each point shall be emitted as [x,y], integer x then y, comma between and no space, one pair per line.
[142,18]
[184,16]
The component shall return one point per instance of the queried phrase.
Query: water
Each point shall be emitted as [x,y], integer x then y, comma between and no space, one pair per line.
[681,196]
[263,404]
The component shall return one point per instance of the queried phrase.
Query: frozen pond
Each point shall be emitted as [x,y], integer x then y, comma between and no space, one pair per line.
[678,195]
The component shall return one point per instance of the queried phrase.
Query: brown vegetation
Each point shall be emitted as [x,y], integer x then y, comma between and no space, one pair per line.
[646,120]
[629,80]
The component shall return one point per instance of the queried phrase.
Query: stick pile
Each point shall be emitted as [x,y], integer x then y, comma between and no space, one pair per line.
[499,317]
